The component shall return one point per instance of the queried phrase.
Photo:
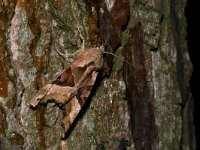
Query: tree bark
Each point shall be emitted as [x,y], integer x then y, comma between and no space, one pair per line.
[141,99]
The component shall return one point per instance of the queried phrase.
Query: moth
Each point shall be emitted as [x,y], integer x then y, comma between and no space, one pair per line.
[72,86]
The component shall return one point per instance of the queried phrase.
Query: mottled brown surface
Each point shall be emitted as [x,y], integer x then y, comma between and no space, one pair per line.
[3,122]
[109,23]
[139,95]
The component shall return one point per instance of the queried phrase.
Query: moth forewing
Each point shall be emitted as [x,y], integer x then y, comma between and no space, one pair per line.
[74,106]
[40,95]
[92,55]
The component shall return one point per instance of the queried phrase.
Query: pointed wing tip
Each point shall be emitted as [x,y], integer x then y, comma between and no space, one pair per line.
[34,103]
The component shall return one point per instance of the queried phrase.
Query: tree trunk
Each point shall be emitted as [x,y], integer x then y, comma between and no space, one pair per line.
[141,99]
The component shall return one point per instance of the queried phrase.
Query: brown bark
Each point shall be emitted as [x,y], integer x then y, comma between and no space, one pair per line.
[140,101]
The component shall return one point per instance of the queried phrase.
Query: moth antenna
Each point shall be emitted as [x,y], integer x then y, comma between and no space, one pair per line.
[122,59]
[82,38]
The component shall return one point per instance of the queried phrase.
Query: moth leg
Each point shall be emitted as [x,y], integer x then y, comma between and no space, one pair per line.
[67,57]
[80,45]
[60,53]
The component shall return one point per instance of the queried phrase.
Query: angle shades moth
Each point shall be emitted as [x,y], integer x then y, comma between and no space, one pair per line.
[72,86]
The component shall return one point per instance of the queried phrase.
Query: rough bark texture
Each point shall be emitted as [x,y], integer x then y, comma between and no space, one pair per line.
[144,103]
[141,102]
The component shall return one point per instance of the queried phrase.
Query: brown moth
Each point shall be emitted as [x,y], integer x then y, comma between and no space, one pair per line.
[72,86]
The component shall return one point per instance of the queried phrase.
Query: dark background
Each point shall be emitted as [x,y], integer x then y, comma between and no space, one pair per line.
[192,12]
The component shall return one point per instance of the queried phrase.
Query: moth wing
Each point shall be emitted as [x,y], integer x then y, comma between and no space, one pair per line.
[74,106]
[62,83]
